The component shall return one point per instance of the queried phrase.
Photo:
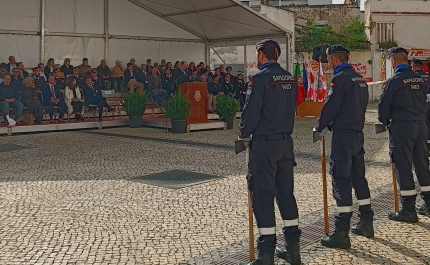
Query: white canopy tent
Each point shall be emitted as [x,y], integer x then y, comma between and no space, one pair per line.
[35,30]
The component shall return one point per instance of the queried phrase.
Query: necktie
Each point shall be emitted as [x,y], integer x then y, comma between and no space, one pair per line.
[53,92]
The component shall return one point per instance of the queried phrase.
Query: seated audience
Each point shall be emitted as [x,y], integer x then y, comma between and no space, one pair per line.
[229,72]
[59,78]
[30,99]
[215,88]
[148,68]
[105,75]
[73,99]
[210,98]
[12,64]
[22,73]
[3,70]
[194,77]
[131,77]
[167,81]
[42,70]
[241,88]
[156,87]
[84,68]
[39,82]
[16,79]
[49,67]
[96,80]
[9,98]
[53,97]
[93,96]
[118,72]
[67,68]
[162,66]
[229,88]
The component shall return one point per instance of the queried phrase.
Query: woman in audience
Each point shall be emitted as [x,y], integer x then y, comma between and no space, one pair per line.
[191,67]
[176,64]
[66,68]
[49,67]
[30,99]
[73,99]
[169,65]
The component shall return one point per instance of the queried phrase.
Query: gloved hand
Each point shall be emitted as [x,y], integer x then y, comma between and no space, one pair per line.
[324,131]
[428,98]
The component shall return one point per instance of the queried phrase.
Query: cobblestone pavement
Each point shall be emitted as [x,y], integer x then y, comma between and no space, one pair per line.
[68,199]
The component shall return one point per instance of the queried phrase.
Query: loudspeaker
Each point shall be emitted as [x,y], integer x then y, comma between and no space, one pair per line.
[319,53]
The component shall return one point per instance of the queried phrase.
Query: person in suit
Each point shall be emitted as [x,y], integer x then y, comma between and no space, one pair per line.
[74,99]
[39,82]
[99,82]
[166,80]
[93,96]
[30,99]
[53,97]
[16,79]
[180,75]
[105,74]
[156,87]
[9,98]
[131,78]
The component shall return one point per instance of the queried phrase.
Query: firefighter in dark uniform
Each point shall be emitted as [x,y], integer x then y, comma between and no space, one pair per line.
[417,67]
[268,119]
[344,114]
[403,107]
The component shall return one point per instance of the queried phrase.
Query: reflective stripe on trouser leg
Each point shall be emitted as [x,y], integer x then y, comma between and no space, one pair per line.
[408,193]
[364,202]
[344,209]
[266,231]
[425,189]
[288,223]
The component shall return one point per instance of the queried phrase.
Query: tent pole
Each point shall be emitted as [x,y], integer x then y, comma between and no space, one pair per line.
[42,30]
[207,53]
[106,29]
[245,62]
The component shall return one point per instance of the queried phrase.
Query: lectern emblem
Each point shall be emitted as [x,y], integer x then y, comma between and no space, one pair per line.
[197,95]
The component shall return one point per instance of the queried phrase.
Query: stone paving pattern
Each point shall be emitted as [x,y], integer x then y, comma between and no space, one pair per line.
[68,200]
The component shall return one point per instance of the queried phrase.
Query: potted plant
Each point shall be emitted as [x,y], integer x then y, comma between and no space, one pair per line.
[177,110]
[226,108]
[134,104]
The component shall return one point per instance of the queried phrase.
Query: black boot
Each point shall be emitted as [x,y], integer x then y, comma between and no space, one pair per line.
[339,239]
[262,260]
[404,216]
[423,209]
[290,253]
[363,228]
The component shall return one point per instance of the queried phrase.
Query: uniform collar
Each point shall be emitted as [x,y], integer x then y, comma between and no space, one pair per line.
[265,65]
[339,68]
[400,67]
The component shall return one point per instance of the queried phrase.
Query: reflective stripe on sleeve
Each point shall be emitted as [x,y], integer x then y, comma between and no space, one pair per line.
[408,192]
[267,230]
[425,188]
[289,223]
[364,202]
[344,209]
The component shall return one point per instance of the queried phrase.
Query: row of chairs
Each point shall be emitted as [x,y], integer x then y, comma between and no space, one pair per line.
[111,98]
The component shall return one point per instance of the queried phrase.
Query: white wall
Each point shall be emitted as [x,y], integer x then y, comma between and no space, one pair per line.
[411,21]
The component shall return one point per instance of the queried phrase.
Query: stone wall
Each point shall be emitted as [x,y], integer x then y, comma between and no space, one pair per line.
[336,15]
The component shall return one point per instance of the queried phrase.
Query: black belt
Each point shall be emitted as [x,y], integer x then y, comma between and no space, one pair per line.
[279,136]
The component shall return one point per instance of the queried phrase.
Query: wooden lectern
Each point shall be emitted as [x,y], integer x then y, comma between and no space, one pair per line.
[197,94]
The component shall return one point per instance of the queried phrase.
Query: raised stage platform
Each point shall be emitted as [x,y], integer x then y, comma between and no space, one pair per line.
[150,119]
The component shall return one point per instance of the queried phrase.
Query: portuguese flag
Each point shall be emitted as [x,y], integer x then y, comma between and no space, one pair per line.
[301,89]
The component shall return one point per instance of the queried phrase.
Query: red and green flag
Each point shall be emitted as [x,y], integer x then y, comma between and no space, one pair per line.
[301,89]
